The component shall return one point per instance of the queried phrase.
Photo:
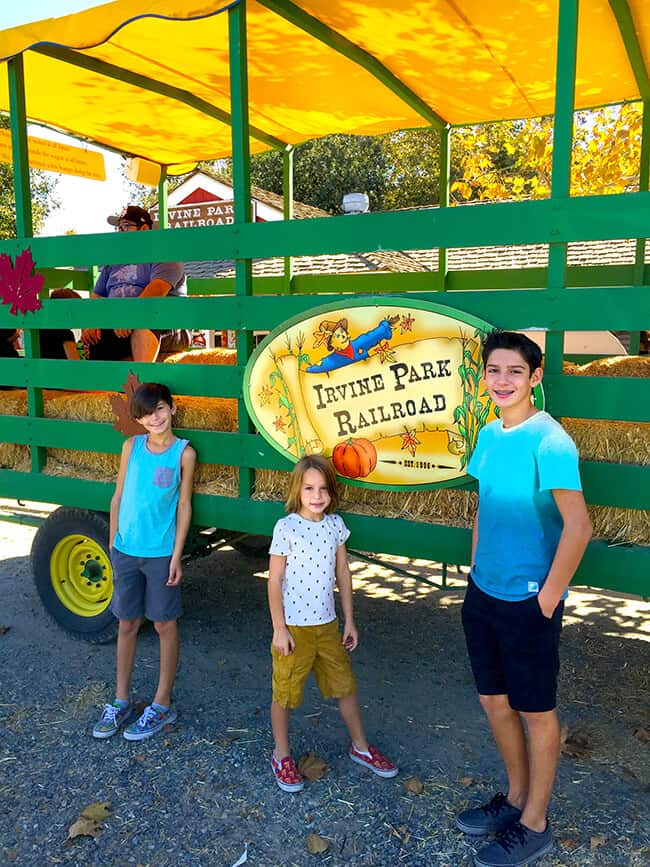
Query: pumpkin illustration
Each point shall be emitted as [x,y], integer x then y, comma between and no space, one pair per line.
[355,458]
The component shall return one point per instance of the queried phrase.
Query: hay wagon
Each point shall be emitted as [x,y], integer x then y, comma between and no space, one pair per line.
[201,80]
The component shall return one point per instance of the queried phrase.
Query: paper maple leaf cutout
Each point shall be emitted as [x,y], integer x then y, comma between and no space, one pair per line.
[410,442]
[19,286]
[406,323]
[121,405]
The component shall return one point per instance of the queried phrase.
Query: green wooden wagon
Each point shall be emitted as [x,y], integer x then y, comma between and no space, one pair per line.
[201,80]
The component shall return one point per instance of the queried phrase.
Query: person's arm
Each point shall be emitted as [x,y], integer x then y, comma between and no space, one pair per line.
[156,289]
[163,277]
[183,515]
[350,637]
[282,638]
[70,349]
[119,489]
[573,541]
[474,539]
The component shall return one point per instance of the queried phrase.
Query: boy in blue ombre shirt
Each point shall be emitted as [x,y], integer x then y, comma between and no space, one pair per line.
[529,535]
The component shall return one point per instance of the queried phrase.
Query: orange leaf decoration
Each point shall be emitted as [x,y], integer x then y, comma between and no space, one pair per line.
[121,406]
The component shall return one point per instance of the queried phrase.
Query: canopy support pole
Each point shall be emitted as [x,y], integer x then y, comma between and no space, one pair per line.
[163,188]
[24,223]
[304,21]
[561,168]
[241,176]
[628,31]
[287,207]
[641,244]
[443,199]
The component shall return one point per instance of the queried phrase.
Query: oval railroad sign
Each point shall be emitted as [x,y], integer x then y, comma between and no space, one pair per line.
[389,388]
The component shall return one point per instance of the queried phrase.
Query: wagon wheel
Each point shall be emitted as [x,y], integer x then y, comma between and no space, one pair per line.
[73,575]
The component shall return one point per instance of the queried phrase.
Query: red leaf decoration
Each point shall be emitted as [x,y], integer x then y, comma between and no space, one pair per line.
[19,286]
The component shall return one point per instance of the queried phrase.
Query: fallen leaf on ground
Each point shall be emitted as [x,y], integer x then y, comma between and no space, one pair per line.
[11,854]
[574,744]
[226,740]
[568,843]
[596,841]
[88,823]
[642,734]
[466,781]
[98,811]
[4,629]
[317,844]
[139,758]
[414,785]
[312,766]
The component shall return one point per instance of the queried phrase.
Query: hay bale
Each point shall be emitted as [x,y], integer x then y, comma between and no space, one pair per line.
[219,355]
[617,365]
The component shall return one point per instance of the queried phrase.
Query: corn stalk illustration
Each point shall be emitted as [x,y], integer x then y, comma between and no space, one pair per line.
[471,414]
[295,440]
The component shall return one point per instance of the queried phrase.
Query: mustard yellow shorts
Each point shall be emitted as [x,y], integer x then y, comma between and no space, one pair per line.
[318,649]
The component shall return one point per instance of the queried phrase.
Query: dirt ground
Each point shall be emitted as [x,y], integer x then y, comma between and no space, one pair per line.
[201,793]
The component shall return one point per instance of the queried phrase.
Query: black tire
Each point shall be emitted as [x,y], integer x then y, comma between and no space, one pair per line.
[66,541]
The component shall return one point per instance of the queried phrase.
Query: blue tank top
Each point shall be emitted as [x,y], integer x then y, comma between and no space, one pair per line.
[147,516]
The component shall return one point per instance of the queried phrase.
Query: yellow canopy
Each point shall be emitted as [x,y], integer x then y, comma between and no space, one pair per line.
[466,61]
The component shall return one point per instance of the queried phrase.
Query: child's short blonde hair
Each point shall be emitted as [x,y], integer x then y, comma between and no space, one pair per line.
[325,468]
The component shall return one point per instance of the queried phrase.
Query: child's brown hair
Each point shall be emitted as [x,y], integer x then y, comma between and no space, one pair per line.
[325,468]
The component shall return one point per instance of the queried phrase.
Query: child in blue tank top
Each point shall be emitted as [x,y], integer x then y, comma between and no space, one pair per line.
[150,517]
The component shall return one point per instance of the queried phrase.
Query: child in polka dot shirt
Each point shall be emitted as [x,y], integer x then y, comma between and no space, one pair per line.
[308,557]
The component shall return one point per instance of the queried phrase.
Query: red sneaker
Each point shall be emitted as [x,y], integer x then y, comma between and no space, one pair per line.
[287,775]
[375,761]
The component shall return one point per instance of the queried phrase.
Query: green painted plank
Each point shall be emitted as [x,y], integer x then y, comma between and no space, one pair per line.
[210,380]
[597,308]
[358,55]
[624,399]
[623,485]
[576,219]
[628,31]
[19,149]
[624,568]
[143,82]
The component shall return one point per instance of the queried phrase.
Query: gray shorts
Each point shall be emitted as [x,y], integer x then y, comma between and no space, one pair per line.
[139,588]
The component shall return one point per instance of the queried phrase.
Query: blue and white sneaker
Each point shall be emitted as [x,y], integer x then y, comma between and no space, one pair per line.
[112,719]
[153,720]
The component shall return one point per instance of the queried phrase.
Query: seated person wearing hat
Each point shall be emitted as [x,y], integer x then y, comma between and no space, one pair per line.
[145,280]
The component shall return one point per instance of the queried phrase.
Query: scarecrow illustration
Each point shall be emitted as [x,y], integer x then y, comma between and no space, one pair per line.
[343,350]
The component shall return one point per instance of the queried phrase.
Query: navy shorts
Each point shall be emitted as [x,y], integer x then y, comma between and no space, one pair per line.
[139,588]
[513,649]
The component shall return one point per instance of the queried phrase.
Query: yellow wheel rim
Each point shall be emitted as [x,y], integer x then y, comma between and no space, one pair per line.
[81,575]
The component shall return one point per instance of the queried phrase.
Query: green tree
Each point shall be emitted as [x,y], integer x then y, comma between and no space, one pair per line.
[43,187]
[411,158]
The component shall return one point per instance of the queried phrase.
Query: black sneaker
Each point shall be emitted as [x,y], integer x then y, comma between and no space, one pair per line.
[515,847]
[489,819]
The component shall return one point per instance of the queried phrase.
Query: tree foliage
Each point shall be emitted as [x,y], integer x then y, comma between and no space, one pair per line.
[514,160]
[42,186]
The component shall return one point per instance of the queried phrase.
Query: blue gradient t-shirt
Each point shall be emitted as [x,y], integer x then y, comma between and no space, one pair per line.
[519,524]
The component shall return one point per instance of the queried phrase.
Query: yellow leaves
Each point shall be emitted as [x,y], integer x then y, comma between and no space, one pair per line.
[88,823]
[463,188]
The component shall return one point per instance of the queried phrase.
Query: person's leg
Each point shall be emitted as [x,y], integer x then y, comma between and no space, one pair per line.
[351,713]
[280,725]
[169,645]
[510,739]
[544,753]
[127,637]
[144,345]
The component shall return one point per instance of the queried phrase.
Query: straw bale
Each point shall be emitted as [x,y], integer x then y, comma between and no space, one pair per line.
[219,355]
[617,365]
